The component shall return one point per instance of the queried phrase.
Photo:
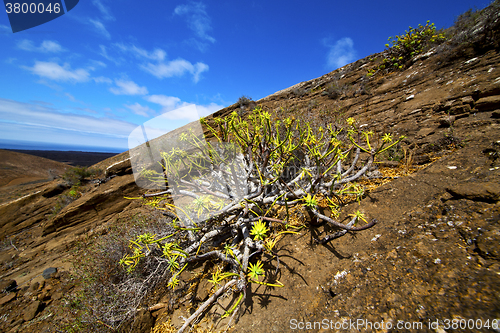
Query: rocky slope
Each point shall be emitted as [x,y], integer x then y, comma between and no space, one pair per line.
[433,256]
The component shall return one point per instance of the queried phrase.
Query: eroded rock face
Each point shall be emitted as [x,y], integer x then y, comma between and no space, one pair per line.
[434,253]
[102,202]
[119,168]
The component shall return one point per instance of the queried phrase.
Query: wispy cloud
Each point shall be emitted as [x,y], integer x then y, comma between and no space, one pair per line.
[47,46]
[99,27]
[140,110]
[176,68]
[51,119]
[70,97]
[161,67]
[104,52]
[5,29]
[96,63]
[54,71]
[42,103]
[341,52]
[102,79]
[127,87]
[198,21]
[156,54]
[103,9]
[87,110]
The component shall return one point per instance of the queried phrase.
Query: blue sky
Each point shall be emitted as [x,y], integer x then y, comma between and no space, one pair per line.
[91,76]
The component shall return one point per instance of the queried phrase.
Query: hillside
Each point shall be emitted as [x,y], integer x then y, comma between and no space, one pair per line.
[434,254]
[21,174]
[17,168]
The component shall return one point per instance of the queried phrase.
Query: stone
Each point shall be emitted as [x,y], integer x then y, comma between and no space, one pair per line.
[460,109]
[468,100]
[421,159]
[47,273]
[425,132]
[392,255]
[56,296]
[121,168]
[143,321]
[34,286]
[477,191]
[44,296]
[7,299]
[7,285]
[31,311]
[203,290]
[15,329]
[388,164]
[446,121]
[487,244]
[54,190]
[489,103]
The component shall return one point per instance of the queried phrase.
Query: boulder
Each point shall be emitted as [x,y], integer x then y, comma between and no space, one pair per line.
[54,190]
[477,191]
[7,285]
[31,311]
[7,299]
[121,168]
[489,103]
[47,273]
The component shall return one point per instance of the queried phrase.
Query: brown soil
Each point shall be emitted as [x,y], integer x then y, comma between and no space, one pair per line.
[14,167]
[434,255]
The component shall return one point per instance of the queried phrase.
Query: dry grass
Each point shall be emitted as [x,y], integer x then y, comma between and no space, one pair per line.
[167,327]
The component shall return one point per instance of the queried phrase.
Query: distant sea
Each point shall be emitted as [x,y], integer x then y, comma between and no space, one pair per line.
[28,145]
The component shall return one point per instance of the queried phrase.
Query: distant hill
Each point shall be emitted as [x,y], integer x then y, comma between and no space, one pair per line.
[18,168]
[73,158]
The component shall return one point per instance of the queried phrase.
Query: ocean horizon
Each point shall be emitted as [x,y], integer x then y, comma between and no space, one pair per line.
[29,145]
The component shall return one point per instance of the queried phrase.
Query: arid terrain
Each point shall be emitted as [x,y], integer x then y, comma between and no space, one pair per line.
[433,257]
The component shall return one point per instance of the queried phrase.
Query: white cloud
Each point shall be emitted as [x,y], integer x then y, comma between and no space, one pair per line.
[197,19]
[18,113]
[99,27]
[127,87]
[104,53]
[157,54]
[205,110]
[161,68]
[47,46]
[173,108]
[102,79]
[42,103]
[70,97]
[88,110]
[103,9]
[5,28]
[167,102]
[54,71]
[176,68]
[140,110]
[341,53]
[96,63]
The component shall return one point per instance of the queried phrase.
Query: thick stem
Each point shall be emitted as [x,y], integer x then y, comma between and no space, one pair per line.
[340,225]
[205,305]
